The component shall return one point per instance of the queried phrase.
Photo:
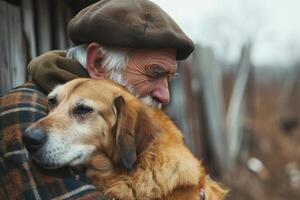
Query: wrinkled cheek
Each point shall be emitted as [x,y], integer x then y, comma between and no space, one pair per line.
[137,80]
[142,86]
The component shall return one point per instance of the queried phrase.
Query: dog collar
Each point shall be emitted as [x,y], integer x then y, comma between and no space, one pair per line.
[202,194]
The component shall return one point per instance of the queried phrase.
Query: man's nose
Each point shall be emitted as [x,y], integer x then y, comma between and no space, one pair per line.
[34,138]
[161,92]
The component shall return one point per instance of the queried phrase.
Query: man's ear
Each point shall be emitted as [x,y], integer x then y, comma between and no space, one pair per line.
[94,62]
[135,131]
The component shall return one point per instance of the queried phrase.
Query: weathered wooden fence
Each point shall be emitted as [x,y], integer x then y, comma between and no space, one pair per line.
[12,47]
[28,29]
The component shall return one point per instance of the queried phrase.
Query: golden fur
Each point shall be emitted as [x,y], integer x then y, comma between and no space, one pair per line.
[139,153]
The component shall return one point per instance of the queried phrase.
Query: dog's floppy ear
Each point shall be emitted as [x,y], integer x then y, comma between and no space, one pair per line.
[124,135]
[135,131]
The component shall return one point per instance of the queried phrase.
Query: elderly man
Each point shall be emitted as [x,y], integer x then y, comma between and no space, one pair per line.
[133,42]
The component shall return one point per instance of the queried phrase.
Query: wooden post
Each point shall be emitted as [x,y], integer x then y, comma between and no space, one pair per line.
[234,119]
[28,27]
[17,52]
[61,14]
[12,56]
[4,52]
[43,27]
[210,79]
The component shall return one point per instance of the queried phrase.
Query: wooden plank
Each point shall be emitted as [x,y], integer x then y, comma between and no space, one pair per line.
[208,75]
[44,39]
[61,14]
[12,53]
[17,51]
[193,110]
[29,27]
[235,115]
[4,52]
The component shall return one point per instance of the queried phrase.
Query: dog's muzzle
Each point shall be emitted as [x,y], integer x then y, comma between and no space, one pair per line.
[34,139]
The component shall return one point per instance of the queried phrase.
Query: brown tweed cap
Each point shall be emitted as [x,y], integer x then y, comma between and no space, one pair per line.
[131,24]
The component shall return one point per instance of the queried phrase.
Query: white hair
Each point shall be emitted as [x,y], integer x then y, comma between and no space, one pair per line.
[78,53]
[114,61]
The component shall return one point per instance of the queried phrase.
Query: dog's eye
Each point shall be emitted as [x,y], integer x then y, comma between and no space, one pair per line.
[82,109]
[52,102]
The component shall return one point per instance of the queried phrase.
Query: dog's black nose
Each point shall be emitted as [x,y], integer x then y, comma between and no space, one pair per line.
[34,138]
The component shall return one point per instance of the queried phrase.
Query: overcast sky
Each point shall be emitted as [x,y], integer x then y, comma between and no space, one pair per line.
[273,26]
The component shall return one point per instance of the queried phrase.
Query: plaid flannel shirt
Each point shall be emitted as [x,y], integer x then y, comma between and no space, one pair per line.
[19,177]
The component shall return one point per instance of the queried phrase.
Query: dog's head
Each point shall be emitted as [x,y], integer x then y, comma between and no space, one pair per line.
[89,117]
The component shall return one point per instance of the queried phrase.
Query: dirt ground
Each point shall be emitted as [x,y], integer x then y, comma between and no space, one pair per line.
[273,140]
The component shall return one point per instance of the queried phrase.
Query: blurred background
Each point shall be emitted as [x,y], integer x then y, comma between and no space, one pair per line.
[236,98]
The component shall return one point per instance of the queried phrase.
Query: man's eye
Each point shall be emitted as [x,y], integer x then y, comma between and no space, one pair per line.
[150,76]
[156,72]
[82,109]
[155,75]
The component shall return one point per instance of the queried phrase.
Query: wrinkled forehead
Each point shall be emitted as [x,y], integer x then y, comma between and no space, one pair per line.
[145,59]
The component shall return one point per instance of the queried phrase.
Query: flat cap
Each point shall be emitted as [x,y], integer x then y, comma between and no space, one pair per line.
[131,24]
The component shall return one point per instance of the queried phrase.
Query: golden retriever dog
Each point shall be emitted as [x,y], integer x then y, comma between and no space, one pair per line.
[131,151]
